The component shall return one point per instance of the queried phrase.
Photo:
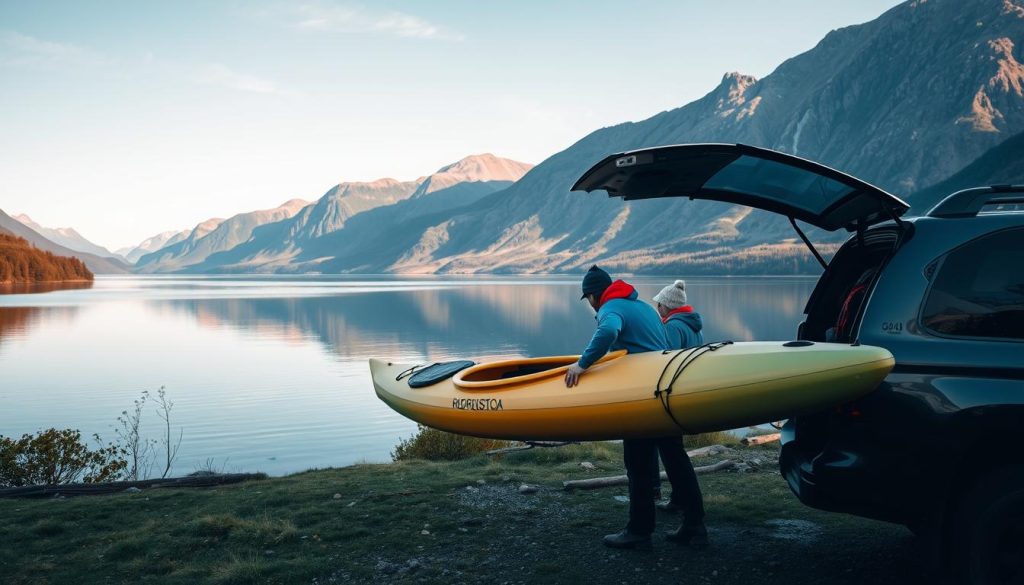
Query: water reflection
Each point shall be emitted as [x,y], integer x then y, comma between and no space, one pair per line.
[490,319]
[14,321]
[270,373]
[27,288]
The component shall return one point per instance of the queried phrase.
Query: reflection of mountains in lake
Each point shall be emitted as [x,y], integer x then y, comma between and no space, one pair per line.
[24,288]
[491,319]
[17,321]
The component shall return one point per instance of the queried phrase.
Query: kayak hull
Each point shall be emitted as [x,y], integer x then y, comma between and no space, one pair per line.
[733,386]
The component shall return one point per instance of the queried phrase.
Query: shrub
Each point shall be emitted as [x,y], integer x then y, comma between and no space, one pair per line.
[435,445]
[712,438]
[57,457]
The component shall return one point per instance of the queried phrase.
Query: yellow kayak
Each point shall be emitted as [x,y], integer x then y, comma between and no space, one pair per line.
[711,388]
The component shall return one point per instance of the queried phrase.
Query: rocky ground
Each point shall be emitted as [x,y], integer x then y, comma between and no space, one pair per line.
[484,520]
[545,534]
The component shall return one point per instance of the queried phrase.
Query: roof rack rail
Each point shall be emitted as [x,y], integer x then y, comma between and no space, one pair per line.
[968,202]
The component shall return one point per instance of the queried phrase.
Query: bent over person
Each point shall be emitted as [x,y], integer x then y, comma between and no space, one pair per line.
[683,328]
[624,322]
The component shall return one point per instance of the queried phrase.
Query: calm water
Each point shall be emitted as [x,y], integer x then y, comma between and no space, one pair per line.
[270,374]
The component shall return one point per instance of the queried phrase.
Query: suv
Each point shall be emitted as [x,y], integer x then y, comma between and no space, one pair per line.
[933,447]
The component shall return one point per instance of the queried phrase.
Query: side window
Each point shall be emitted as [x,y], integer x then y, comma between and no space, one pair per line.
[978,290]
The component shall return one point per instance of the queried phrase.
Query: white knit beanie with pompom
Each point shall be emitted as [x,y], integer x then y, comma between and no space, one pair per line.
[672,296]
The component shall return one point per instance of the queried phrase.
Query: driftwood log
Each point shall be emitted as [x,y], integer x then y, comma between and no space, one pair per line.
[761,439]
[91,489]
[527,445]
[708,451]
[600,482]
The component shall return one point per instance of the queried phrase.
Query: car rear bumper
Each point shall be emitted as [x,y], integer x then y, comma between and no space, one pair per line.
[836,479]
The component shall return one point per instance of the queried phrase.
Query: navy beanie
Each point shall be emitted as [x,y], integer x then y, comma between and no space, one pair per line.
[595,281]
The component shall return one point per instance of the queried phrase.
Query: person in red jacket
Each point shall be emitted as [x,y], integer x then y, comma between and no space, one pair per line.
[624,322]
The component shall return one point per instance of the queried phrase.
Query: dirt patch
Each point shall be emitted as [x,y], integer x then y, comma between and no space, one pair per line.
[801,531]
[506,537]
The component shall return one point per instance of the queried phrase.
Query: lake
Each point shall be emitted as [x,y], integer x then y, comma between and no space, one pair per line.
[269,373]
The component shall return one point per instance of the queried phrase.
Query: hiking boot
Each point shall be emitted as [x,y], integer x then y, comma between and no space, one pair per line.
[626,539]
[668,506]
[695,536]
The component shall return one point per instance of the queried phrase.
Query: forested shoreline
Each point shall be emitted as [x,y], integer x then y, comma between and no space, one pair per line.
[20,262]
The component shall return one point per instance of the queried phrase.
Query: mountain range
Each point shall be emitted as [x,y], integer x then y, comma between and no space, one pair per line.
[1002,165]
[67,237]
[271,240]
[96,264]
[903,102]
[923,100]
[152,244]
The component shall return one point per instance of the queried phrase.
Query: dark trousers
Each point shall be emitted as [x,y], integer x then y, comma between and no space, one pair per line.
[641,458]
[685,489]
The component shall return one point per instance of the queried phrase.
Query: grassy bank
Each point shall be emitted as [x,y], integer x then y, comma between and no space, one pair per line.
[425,522]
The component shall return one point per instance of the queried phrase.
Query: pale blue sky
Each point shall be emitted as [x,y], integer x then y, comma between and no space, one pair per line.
[123,119]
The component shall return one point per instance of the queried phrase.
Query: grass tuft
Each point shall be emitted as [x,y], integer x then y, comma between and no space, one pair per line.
[713,438]
[240,570]
[47,527]
[261,530]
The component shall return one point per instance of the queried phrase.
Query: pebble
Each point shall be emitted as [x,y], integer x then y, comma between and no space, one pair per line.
[337,496]
[587,465]
[527,489]
[133,490]
[481,481]
[425,532]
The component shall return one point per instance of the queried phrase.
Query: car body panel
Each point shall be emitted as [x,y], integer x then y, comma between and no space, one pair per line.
[949,408]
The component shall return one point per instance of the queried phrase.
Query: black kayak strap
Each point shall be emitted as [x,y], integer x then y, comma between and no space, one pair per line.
[662,394]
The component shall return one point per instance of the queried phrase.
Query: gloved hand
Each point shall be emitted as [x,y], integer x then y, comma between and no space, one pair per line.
[572,375]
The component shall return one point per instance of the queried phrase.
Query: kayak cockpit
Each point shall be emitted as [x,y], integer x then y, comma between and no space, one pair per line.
[515,372]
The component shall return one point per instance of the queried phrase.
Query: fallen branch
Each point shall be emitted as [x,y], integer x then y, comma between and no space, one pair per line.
[600,482]
[709,450]
[91,489]
[761,439]
[527,445]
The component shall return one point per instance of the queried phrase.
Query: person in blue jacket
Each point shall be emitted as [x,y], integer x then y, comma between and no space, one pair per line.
[624,322]
[683,327]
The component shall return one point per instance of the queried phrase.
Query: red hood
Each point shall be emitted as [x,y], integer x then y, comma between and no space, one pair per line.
[616,290]
[683,309]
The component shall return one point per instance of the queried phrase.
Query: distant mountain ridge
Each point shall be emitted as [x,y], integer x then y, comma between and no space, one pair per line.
[278,245]
[1002,165]
[917,101]
[67,237]
[152,244]
[902,101]
[214,235]
[94,263]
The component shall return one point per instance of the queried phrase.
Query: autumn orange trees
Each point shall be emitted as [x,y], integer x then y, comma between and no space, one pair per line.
[20,262]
